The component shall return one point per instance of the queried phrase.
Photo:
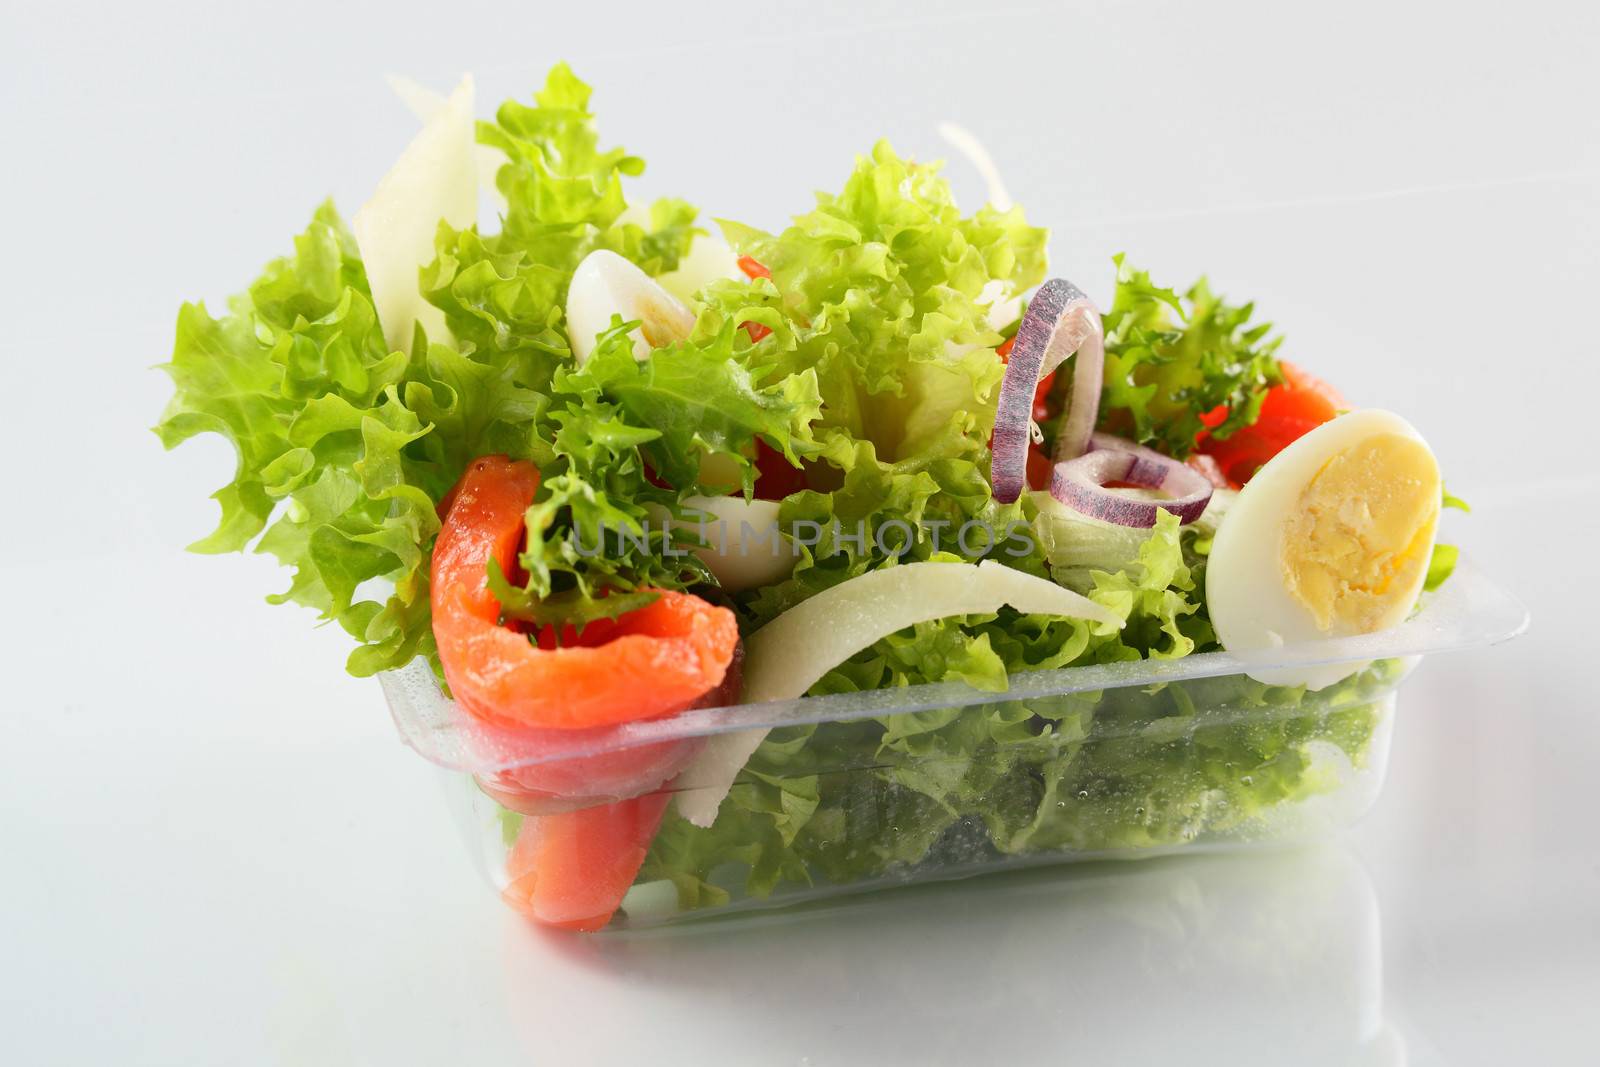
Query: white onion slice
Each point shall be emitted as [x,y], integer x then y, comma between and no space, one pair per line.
[1060,320]
[963,141]
[1081,484]
[436,177]
[424,103]
[788,655]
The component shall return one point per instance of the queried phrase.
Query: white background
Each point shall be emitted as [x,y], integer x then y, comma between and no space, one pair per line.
[212,849]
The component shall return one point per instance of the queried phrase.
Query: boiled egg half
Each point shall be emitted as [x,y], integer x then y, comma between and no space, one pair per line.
[1331,538]
[605,284]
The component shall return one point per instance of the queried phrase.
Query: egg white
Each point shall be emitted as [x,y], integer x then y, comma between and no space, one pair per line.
[1251,607]
[605,284]
[744,546]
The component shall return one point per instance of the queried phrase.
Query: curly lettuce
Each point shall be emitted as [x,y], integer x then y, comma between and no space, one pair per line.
[885,290]
[345,446]
[297,376]
[1171,359]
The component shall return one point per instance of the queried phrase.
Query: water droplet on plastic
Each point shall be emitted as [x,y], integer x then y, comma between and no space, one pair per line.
[1083,794]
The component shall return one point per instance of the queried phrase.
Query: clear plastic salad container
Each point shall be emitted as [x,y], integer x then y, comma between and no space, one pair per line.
[1117,760]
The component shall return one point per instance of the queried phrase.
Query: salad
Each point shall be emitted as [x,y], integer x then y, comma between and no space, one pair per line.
[602,462]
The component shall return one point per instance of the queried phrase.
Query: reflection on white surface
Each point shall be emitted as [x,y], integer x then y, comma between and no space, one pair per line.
[1238,959]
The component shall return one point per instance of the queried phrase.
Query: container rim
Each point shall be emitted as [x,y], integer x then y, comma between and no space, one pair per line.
[1470,611]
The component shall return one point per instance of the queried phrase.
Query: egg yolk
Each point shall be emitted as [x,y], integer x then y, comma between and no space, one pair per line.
[662,322]
[1355,545]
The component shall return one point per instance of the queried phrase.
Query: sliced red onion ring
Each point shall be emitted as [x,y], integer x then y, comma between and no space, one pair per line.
[1060,320]
[1110,442]
[1081,484]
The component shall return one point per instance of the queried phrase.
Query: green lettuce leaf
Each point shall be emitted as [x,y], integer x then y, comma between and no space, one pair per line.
[697,400]
[1172,359]
[886,289]
[1442,563]
[298,378]
[504,294]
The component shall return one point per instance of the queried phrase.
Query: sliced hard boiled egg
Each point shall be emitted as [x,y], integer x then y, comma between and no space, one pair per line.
[708,259]
[1331,538]
[604,285]
[745,547]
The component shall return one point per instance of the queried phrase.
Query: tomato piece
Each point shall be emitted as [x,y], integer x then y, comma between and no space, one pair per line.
[1241,455]
[653,478]
[1288,412]
[776,477]
[754,269]
[649,662]
[1038,468]
[1303,395]
[571,869]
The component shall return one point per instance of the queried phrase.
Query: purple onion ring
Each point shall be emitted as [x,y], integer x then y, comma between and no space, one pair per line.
[1059,322]
[1080,484]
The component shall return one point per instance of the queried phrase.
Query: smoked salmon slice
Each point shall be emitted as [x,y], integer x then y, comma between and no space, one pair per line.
[572,869]
[652,661]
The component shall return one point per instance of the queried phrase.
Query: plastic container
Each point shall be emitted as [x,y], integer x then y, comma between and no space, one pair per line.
[868,790]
